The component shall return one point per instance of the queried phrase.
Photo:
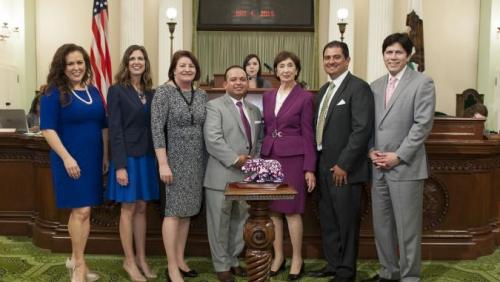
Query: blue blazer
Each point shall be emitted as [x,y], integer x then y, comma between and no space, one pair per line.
[129,124]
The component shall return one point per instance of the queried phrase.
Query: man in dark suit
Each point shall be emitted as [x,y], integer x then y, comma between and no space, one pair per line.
[344,123]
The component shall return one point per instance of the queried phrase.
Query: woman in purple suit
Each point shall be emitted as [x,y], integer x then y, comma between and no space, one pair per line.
[289,138]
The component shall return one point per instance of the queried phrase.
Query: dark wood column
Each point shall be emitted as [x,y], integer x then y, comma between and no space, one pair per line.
[259,229]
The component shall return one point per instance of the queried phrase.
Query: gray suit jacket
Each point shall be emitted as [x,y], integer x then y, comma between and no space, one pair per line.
[405,123]
[225,140]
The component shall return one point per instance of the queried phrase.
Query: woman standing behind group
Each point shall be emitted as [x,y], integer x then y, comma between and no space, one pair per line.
[289,138]
[253,68]
[33,117]
[133,173]
[179,109]
[73,122]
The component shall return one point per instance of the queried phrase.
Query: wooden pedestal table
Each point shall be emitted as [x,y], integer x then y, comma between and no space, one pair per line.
[259,229]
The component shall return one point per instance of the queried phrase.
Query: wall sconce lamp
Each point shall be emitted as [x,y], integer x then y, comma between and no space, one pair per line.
[171,15]
[342,14]
[6,32]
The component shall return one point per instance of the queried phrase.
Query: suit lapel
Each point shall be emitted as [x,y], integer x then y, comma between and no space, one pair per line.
[337,97]
[289,100]
[379,93]
[402,85]
[133,95]
[234,112]
[253,118]
[149,97]
[272,102]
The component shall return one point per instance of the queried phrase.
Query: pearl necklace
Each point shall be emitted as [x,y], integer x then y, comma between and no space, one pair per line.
[81,99]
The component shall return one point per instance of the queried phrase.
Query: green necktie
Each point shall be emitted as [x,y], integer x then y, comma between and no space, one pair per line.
[322,113]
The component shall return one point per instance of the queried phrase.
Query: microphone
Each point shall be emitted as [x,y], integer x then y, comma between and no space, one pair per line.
[268,67]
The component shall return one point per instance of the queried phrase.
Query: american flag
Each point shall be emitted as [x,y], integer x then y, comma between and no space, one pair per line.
[99,54]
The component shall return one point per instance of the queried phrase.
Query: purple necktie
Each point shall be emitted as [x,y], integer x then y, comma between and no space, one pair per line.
[246,125]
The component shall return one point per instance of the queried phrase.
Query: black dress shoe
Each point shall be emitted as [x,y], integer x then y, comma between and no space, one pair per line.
[238,271]
[377,278]
[225,276]
[190,273]
[324,272]
[295,277]
[342,279]
[280,269]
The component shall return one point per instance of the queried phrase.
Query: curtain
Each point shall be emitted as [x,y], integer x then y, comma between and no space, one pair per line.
[217,50]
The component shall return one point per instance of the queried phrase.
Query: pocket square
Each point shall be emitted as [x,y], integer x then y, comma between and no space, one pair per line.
[258,122]
[342,102]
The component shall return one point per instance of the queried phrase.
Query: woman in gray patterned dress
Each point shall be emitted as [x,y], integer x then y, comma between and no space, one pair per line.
[179,108]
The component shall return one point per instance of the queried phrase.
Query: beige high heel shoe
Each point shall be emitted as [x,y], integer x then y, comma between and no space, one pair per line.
[89,276]
[136,278]
[150,275]
[71,268]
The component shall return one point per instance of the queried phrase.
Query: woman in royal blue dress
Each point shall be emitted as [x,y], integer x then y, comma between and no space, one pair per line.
[73,122]
[133,177]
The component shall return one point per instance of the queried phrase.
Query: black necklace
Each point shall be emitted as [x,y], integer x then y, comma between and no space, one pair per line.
[188,103]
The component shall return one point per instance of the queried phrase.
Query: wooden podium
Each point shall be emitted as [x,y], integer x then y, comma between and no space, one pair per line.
[259,229]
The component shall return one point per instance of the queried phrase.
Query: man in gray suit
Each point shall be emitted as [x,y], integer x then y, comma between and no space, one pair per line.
[232,135]
[404,110]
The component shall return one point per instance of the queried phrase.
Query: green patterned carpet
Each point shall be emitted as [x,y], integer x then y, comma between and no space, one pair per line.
[21,261]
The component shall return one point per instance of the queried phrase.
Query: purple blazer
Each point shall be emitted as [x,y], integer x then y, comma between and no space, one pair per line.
[290,133]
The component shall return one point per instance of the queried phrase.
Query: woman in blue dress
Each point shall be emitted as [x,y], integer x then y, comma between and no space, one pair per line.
[73,122]
[133,177]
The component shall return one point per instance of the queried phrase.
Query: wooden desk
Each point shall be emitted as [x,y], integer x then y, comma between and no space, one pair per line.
[453,128]
[461,205]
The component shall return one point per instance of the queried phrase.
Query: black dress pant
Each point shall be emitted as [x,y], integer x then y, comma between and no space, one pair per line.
[339,211]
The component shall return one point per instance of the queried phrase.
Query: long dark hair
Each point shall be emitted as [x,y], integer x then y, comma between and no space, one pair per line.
[247,59]
[58,79]
[123,75]
[258,79]
[34,104]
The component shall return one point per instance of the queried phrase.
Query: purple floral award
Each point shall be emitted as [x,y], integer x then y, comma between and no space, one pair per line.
[263,171]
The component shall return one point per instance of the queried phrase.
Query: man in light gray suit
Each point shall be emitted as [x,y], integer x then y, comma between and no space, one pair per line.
[232,135]
[404,110]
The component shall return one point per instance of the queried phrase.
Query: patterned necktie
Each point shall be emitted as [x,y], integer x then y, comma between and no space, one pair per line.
[322,113]
[390,89]
[246,124]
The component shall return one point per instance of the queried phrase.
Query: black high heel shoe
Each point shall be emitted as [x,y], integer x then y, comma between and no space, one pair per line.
[190,273]
[280,269]
[295,277]
[167,277]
